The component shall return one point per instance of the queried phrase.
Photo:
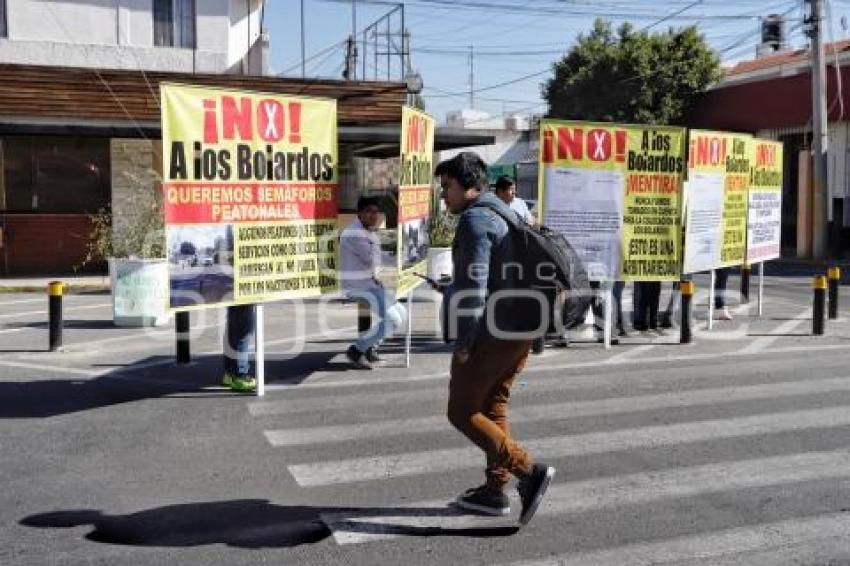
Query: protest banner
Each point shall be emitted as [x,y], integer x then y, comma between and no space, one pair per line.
[615,192]
[764,223]
[249,195]
[414,197]
[717,189]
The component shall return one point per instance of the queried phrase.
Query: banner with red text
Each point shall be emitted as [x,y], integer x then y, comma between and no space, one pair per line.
[249,195]
[414,197]
[764,215]
[717,193]
[615,192]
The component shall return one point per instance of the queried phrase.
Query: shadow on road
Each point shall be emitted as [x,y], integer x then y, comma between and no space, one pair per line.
[246,523]
[150,378]
[72,324]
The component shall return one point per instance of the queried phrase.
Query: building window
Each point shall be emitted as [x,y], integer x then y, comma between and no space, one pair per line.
[173,23]
[3,31]
[55,175]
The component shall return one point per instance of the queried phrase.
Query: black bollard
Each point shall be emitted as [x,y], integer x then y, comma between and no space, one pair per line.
[54,304]
[745,284]
[181,325]
[364,317]
[537,345]
[687,291]
[834,275]
[819,286]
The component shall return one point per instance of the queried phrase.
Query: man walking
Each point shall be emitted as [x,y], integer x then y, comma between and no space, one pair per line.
[483,366]
[360,260]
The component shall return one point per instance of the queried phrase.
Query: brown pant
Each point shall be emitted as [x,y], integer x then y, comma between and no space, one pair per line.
[479,391]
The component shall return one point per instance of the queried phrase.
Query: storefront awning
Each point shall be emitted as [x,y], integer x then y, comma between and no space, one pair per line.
[380,141]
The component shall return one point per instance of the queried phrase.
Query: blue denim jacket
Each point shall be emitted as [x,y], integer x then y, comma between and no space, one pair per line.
[480,248]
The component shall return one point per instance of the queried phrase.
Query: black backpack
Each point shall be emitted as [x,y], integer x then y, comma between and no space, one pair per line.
[551,266]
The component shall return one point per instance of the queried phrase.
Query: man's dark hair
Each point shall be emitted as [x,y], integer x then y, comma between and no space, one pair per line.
[364,202]
[504,182]
[467,168]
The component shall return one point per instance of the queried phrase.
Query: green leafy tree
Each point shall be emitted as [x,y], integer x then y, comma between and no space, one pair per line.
[631,76]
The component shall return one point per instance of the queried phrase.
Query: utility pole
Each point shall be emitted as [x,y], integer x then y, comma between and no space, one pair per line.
[353,67]
[471,78]
[303,52]
[820,204]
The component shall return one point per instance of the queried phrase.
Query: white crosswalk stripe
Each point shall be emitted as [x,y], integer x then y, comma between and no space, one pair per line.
[711,547]
[374,430]
[435,461]
[572,409]
[583,496]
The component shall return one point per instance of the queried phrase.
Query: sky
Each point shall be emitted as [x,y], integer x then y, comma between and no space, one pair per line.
[514,42]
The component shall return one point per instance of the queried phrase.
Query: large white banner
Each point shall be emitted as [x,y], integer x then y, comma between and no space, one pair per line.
[764,222]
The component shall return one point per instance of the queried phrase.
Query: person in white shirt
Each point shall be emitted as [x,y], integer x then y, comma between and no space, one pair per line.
[506,191]
[360,259]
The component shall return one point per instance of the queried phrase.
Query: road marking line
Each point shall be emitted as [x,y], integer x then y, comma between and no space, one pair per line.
[555,411]
[764,341]
[64,309]
[382,379]
[710,546]
[384,466]
[22,301]
[573,498]
[43,367]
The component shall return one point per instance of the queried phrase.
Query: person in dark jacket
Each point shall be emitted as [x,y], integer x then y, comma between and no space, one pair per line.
[484,365]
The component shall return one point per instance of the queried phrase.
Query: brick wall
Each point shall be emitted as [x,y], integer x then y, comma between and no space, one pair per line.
[43,244]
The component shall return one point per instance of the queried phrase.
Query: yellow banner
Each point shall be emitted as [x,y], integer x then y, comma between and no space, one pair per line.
[414,197]
[652,207]
[717,200]
[764,224]
[250,195]
[615,192]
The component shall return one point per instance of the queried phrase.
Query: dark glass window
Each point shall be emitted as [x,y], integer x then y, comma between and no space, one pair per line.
[163,23]
[3,31]
[56,174]
[174,23]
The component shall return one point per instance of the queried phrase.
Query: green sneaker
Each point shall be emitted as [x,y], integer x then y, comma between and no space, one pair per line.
[245,384]
[227,380]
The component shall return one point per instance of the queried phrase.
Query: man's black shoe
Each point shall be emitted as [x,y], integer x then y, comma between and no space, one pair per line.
[358,358]
[531,489]
[484,499]
[372,355]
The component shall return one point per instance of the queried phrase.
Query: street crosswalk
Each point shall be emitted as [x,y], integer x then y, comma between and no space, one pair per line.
[768,443]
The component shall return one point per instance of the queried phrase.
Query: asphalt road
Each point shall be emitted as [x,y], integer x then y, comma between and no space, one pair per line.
[731,450]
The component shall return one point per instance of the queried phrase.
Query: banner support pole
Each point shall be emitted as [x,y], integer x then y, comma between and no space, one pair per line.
[259,340]
[407,339]
[761,288]
[609,297]
[711,301]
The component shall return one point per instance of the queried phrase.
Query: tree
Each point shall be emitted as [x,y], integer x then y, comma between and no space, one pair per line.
[631,76]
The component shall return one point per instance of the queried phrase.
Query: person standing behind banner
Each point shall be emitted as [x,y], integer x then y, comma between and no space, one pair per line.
[239,333]
[720,311]
[360,259]
[646,314]
[506,191]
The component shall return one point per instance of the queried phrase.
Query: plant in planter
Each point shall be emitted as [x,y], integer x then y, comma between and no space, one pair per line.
[441,232]
[134,246]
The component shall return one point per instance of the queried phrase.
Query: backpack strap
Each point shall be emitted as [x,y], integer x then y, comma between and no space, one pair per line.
[512,218]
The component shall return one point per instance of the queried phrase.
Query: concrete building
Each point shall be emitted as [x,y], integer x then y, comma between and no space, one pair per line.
[512,148]
[187,36]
